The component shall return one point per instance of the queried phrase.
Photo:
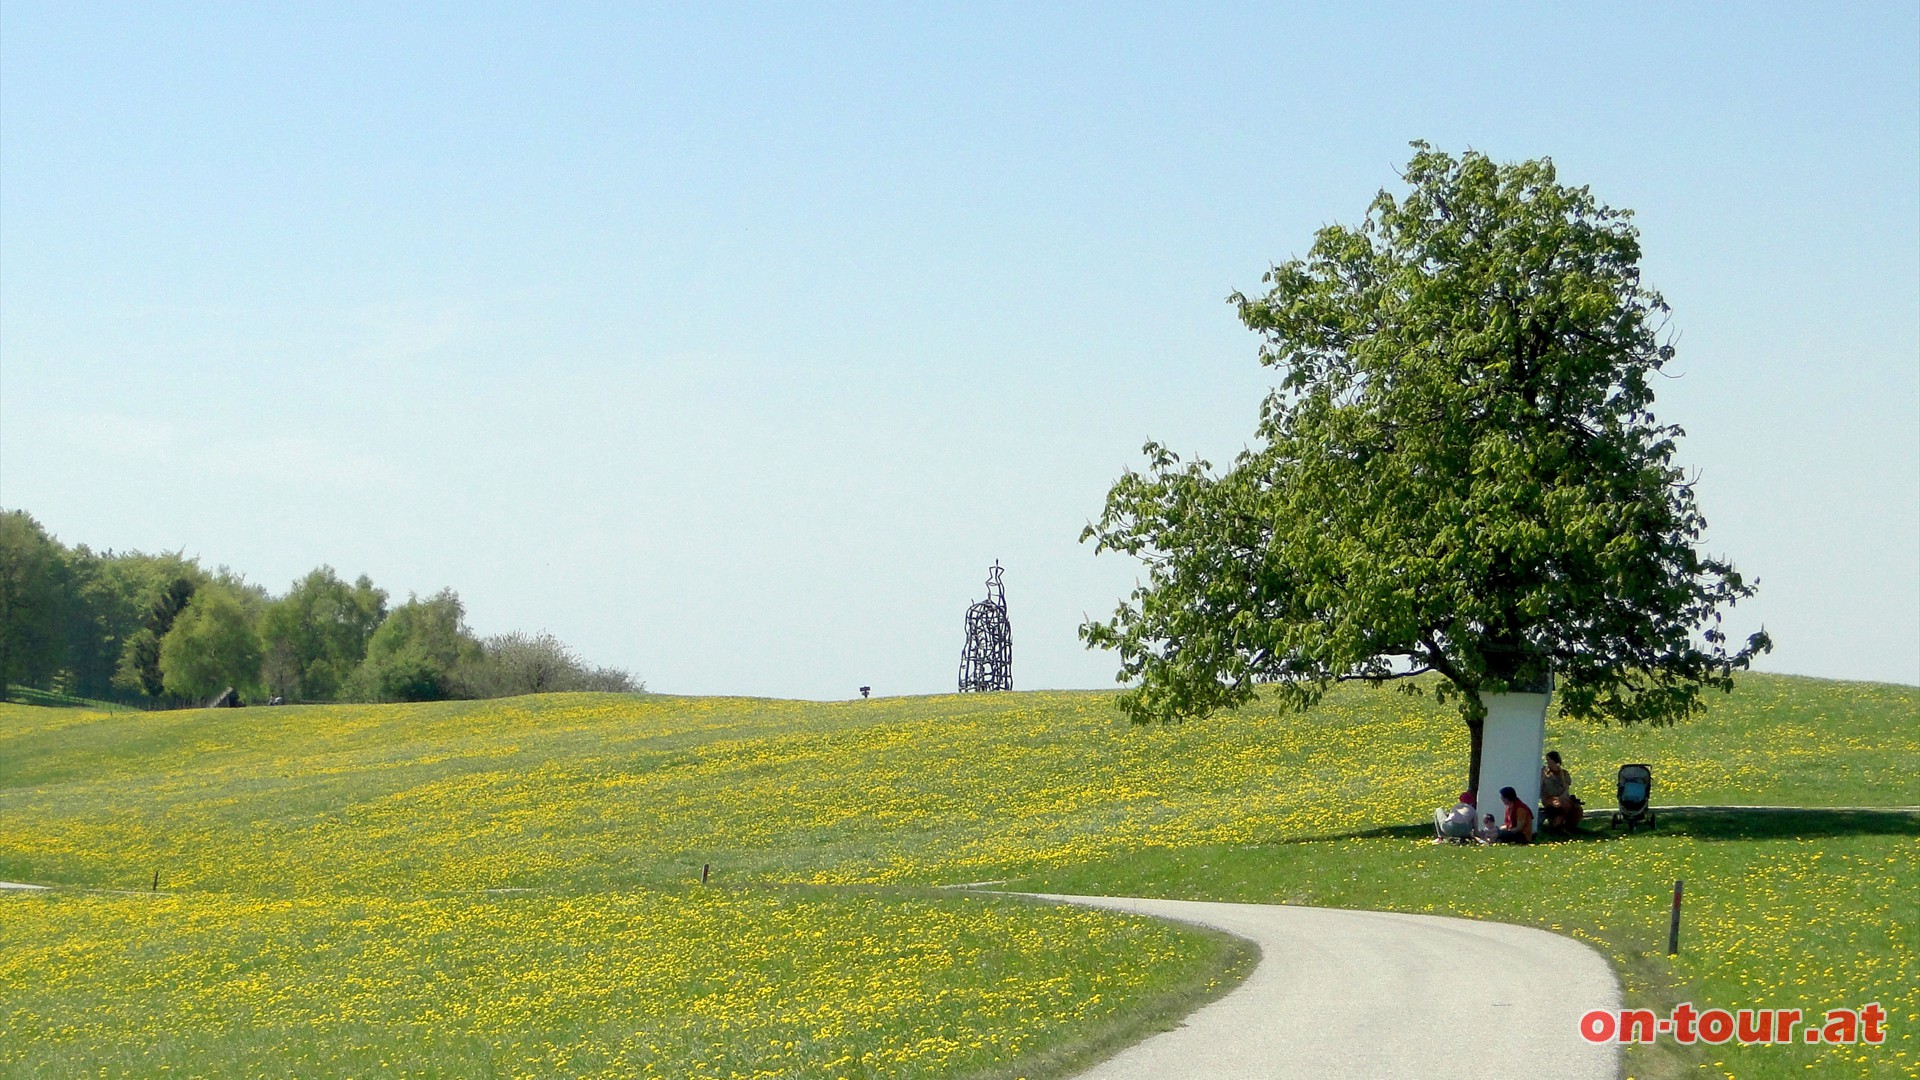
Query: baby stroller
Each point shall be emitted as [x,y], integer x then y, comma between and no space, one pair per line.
[1635,789]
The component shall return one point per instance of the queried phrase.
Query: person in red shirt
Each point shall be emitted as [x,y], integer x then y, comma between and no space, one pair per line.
[1518,826]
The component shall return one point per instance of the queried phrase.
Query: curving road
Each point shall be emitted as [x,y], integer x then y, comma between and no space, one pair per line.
[1376,995]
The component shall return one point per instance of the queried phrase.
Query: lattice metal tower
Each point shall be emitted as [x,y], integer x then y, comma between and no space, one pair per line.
[987,661]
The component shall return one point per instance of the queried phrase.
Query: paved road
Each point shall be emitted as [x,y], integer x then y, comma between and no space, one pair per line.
[1379,996]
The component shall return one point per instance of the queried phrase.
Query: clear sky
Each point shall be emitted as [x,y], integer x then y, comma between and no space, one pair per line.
[731,344]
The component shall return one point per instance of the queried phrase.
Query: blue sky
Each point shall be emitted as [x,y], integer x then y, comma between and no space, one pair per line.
[730,345]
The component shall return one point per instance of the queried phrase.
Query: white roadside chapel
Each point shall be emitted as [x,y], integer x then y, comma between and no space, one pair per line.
[1512,742]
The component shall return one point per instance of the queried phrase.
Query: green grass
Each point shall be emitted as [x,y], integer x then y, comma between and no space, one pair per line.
[841,815]
[27,695]
[688,982]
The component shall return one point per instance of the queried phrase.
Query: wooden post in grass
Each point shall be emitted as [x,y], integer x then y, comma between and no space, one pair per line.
[156,880]
[1673,928]
[704,867]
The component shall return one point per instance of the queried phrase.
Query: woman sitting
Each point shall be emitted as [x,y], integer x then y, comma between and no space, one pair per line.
[1559,809]
[1518,826]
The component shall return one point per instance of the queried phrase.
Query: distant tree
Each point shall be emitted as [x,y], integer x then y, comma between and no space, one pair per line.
[518,663]
[211,645]
[96,625]
[138,671]
[166,585]
[253,599]
[111,598]
[33,602]
[315,636]
[608,680]
[416,653]
[1458,474]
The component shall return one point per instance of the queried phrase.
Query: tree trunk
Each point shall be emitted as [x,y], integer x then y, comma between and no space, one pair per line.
[1476,732]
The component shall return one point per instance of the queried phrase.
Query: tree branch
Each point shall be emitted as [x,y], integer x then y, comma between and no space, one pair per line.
[1388,677]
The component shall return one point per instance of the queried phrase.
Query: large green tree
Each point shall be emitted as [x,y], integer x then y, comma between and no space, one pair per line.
[33,601]
[116,599]
[165,585]
[315,636]
[419,652]
[211,646]
[1459,473]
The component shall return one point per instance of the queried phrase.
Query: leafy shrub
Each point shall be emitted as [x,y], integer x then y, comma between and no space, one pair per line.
[416,652]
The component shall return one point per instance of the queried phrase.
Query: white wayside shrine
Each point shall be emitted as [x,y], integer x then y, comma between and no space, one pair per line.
[1511,747]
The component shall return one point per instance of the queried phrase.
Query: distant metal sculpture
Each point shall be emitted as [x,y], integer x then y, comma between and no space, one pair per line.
[987,661]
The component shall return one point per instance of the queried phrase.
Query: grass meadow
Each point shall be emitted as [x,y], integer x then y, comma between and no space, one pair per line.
[512,887]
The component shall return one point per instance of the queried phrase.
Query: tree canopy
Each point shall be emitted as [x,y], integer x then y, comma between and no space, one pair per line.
[1458,473]
[418,652]
[32,582]
[161,630]
[316,635]
[520,663]
[160,588]
[211,646]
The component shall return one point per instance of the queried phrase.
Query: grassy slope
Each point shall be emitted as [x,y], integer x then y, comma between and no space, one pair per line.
[589,796]
[647,982]
[325,911]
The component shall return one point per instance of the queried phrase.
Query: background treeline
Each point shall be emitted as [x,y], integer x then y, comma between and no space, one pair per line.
[160,630]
